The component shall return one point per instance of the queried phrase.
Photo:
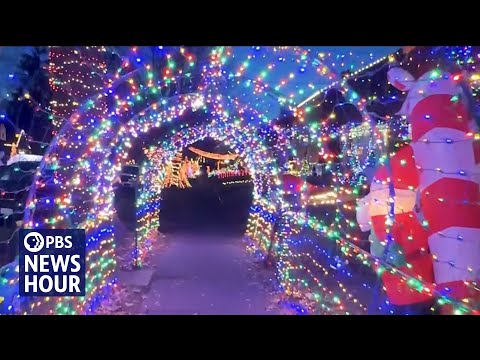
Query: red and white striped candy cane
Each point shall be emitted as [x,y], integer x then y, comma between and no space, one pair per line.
[448,161]
[406,230]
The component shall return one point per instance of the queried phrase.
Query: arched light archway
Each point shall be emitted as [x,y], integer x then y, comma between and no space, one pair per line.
[73,186]
[259,160]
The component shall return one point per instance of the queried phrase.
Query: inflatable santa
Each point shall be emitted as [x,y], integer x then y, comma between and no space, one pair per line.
[446,156]
[408,247]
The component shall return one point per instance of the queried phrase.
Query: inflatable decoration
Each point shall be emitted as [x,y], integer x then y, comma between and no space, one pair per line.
[447,157]
[409,250]
[292,184]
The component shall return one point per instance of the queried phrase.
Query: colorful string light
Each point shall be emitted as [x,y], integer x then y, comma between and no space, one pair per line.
[317,261]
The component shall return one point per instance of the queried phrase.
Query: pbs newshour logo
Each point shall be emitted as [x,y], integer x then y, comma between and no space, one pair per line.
[52,262]
[36,239]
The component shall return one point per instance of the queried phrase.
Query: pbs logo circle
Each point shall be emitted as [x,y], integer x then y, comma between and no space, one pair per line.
[33,242]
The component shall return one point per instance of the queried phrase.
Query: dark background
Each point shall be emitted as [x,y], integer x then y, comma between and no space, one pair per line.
[208,206]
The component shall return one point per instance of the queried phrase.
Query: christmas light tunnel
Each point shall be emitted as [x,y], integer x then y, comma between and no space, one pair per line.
[73,186]
[242,142]
[317,261]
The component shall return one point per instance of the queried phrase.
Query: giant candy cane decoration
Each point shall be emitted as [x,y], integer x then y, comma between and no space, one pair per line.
[408,236]
[447,158]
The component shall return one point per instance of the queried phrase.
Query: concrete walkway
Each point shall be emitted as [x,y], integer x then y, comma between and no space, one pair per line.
[207,275]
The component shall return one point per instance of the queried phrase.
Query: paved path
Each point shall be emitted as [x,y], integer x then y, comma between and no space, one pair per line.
[206,275]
